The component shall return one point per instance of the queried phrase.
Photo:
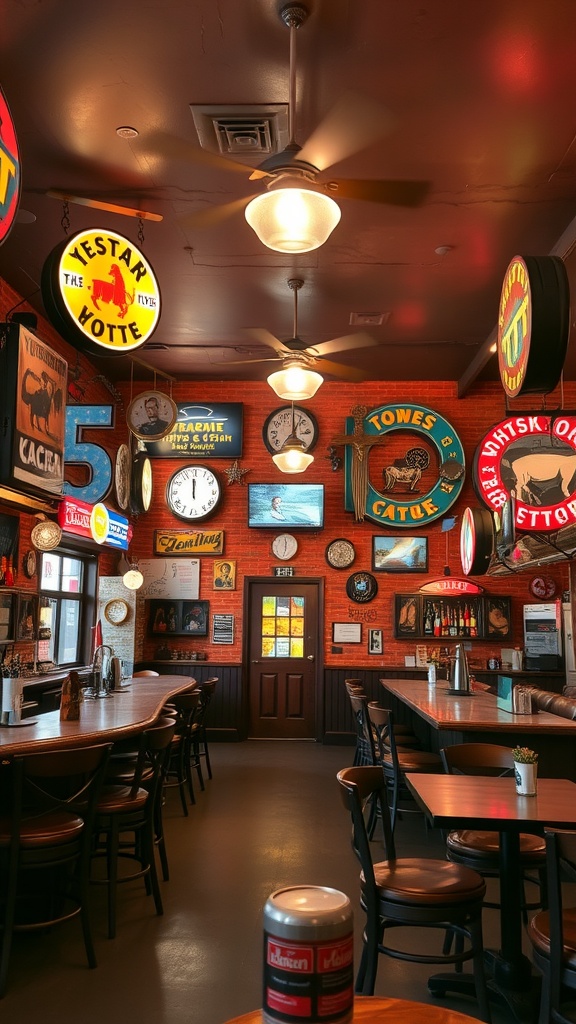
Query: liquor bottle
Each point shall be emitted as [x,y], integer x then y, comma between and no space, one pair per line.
[473,620]
[437,621]
[9,574]
[466,620]
[445,620]
[461,624]
[70,698]
[453,622]
[429,619]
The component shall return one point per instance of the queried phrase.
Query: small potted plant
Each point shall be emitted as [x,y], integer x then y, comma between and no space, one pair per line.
[525,770]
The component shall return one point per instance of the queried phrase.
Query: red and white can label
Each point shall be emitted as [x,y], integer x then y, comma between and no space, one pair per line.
[308,982]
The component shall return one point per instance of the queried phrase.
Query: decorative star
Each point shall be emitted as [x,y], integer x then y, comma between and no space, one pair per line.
[235,474]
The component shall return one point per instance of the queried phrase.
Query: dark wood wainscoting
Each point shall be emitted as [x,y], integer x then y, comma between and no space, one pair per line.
[225,717]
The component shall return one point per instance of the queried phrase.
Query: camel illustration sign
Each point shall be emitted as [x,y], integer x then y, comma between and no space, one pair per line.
[534,458]
[101,293]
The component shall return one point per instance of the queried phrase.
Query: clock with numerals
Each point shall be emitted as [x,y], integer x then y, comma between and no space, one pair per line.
[284,546]
[193,493]
[278,426]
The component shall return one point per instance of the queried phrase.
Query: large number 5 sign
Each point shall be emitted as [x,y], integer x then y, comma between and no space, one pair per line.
[87,453]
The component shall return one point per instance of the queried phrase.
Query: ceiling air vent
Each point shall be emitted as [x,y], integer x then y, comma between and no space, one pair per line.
[368,319]
[252,132]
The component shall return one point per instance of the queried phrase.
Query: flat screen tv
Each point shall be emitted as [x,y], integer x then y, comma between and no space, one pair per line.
[286,505]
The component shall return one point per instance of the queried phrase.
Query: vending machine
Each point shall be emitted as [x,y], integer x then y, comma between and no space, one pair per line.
[543,636]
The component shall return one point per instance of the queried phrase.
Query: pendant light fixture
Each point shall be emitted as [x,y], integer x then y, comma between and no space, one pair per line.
[292,457]
[295,382]
[294,214]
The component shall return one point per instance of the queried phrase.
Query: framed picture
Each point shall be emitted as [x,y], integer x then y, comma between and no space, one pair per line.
[498,612]
[399,554]
[152,414]
[224,574]
[27,617]
[280,505]
[407,615]
[347,632]
[375,641]
[178,618]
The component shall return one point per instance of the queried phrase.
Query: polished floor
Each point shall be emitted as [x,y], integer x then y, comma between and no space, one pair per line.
[270,817]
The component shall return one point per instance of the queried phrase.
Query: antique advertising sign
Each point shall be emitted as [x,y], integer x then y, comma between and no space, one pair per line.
[213,430]
[187,542]
[10,172]
[33,390]
[415,491]
[101,293]
[100,523]
[533,458]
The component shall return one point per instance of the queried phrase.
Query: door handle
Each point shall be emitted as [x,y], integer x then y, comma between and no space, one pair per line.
[310,657]
[255,661]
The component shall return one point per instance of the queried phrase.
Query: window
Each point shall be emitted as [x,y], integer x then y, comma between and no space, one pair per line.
[67,601]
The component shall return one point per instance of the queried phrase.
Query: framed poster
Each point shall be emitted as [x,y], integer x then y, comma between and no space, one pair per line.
[178,618]
[224,574]
[375,641]
[222,629]
[406,615]
[498,613]
[347,632]
[399,554]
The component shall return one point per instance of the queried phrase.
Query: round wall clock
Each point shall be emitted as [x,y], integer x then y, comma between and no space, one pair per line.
[543,587]
[340,553]
[193,493]
[279,425]
[29,563]
[284,546]
[116,611]
[122,469]
[151,415]
[141,483]
[361,587]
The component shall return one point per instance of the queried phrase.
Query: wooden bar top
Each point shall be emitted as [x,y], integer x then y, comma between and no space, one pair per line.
[131,709]
[473,712]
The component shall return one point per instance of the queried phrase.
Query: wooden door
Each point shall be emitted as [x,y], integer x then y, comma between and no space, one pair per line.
[283,644]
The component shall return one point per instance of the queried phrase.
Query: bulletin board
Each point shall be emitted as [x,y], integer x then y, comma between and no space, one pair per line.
[170,577]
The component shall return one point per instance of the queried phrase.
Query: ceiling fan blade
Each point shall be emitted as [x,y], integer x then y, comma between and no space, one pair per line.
[161,144]
[353,123]
[96,204]
[265,337]
[211,216]
[395,193]
[359,340]
[339,370]
[245,362]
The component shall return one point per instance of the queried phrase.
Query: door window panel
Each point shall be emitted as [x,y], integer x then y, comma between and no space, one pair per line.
[282,627]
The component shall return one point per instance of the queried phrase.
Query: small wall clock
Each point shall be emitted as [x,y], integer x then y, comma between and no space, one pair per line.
[116,611]
[193,493]
[279,425]
[284,546]
[340,553]
[361,587]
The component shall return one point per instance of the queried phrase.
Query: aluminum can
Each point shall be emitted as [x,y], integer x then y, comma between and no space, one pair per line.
[308,956]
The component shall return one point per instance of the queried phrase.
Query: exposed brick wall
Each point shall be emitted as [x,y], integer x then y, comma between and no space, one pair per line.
[471,417]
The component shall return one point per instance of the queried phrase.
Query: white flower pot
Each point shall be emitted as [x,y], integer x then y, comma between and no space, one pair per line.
[525,775]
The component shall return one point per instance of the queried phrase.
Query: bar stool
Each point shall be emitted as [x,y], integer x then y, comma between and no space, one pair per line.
[396,761]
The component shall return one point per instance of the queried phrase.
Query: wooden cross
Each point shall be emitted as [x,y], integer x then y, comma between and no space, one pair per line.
[361,444]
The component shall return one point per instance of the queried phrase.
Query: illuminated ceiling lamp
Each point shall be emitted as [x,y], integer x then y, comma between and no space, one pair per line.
[294,214]
[296,381]
[292,457]
[133,578]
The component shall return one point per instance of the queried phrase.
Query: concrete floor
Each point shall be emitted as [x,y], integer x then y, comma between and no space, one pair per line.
[270,817]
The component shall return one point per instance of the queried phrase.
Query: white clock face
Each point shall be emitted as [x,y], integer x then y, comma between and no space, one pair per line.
[116,611]
[279,425]
[193,493]
[284,546]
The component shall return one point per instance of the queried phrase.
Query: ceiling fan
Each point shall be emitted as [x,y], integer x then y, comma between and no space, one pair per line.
[350,126]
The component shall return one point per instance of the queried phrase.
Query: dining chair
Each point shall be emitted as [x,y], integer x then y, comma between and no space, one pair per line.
[418,893]
[395,760]
[46,827]
[128,822]
[552,933]
[480,849]
[179,768]
[197,744]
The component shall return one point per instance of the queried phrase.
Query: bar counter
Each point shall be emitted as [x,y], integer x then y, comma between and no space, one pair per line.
[440,719]
[131,709]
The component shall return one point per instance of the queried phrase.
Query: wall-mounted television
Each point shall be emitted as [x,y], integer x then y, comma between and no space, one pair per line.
[286,505]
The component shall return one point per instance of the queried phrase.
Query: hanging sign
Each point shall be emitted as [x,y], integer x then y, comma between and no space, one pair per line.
[214,431]
[10,171]
[448,585]
[101,524]
[534,458]
[533,325]
[101,293]
[411,509]
[186,542]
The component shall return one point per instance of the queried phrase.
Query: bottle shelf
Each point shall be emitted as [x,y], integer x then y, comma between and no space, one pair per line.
[441,619]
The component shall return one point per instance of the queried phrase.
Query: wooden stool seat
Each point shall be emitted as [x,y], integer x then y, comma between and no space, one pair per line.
[427,883]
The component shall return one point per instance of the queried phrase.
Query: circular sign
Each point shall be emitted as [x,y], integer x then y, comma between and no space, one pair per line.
[11,172]
[46,535]
[99,523]
[151,415]
[101,293]
[340,553]
[543,587]
[361,587]
[116,611]
[533,325]
[476,541]
[29,563]
[284,546]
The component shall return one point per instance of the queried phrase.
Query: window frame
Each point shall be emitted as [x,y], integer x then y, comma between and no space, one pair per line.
[86,598]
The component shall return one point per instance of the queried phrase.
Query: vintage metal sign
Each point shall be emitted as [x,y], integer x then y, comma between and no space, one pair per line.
[409,509]
[101,293]
[10,171]
[213,431]
[186,542]
[534,458]
[100,523]
[451,585]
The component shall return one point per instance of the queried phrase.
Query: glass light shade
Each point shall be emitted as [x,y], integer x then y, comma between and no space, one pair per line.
[133,579]
[293,219]
[295,382]
[292,459]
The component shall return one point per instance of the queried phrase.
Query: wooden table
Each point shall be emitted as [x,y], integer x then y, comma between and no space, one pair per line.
[478,802]
[441,719]
[131,709]
[374,1010]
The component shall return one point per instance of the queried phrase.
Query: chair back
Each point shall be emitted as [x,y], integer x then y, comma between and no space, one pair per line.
[361,787]
[384,740]
[354,686]
[206,692]
[561,867]
[365,753]
[477,759]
